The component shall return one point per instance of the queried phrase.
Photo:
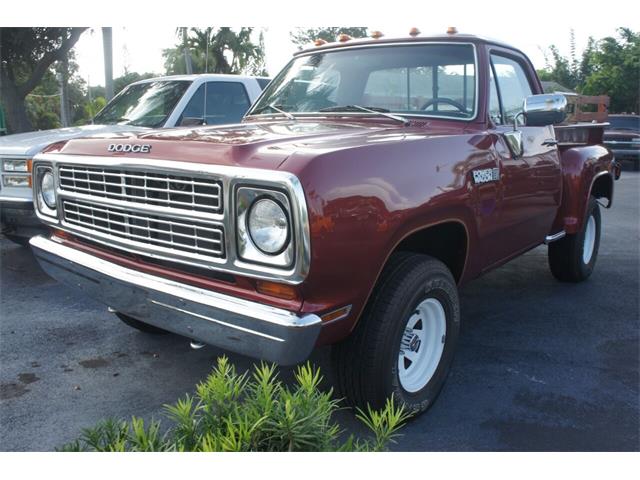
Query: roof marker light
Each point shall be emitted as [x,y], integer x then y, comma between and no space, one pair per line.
[452,31]
[414,32]
[319,42]
[343,37]
[376,34]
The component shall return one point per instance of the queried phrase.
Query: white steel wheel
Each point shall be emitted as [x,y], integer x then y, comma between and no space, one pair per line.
[589,240]
[422,345]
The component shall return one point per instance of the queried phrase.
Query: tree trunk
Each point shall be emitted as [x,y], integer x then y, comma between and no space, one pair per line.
[14,107]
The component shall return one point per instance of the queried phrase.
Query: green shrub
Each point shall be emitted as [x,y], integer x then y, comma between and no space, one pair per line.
[257,412]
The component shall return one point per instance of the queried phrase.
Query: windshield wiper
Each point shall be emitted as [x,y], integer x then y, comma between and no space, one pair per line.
[376,110]
[276,108]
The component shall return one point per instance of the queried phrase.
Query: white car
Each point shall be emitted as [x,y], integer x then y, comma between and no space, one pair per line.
[161,102]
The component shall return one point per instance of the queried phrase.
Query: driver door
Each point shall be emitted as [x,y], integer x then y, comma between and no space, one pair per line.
[530,187]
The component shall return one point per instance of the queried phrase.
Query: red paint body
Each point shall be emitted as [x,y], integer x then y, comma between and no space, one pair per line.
[370,183]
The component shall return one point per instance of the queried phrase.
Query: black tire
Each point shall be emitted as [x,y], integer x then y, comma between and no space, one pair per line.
[566,258]
[22,241]
[366,363]
[138,325]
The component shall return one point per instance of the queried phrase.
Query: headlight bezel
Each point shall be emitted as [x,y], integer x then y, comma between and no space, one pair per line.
[42,206]
[247,196]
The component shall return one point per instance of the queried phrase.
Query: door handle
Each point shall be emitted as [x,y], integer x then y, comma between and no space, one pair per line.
[550,142]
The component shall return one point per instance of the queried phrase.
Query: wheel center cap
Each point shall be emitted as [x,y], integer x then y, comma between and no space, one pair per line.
[414,343]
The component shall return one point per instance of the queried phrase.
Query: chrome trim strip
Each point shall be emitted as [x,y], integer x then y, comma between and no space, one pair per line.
[226,324]
[15,200]
[556,236]
[230,177]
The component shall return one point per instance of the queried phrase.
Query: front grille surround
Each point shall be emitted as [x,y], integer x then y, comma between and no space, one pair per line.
[229,178]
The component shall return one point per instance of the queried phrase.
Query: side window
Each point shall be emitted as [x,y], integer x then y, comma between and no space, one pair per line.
[512,85]
[226,102]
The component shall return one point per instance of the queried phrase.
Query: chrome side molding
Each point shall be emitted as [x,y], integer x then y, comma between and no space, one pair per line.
[556,236]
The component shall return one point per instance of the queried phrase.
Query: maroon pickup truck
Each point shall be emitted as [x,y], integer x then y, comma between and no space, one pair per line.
[368,182]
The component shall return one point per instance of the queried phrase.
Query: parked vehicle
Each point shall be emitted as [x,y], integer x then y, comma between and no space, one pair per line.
[623,138]
[368,182]
[162,102]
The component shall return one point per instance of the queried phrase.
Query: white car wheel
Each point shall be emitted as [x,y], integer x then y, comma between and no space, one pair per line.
[422,345]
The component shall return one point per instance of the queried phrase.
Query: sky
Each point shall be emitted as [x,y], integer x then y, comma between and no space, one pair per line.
[140,48]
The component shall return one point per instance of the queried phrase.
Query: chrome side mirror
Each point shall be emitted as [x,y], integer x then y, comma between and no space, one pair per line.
[545,109]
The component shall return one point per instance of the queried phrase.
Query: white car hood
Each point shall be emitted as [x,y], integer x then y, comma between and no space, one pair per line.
[29,144]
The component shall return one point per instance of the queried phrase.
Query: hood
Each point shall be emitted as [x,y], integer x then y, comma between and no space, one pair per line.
[31,143]
[255,144]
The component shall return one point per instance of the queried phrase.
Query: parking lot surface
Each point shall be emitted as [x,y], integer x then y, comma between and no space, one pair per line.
[541,365]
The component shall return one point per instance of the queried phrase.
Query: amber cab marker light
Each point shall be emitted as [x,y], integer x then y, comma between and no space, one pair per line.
[376,34]
[279,290]
[414,32]
[343,37]
[452,31]
[319,42]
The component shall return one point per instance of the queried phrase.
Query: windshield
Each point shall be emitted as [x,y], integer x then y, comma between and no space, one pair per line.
[143,104]
[625,123]
[436,80]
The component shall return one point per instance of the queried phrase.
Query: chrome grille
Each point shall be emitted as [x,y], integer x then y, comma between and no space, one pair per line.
[148,188]
[164,233]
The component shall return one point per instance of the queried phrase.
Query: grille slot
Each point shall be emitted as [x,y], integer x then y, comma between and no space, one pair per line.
[148,188]
[159,231]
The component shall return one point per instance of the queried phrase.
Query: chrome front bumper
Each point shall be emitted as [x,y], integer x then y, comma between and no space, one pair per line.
[238,325]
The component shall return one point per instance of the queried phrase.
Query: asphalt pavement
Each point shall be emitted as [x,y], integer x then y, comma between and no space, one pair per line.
[541,365]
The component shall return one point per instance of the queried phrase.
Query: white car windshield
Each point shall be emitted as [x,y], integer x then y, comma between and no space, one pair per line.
[436,80]
[143,104]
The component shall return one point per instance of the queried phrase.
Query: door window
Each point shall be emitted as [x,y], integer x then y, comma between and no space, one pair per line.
[513,87]
[226,102]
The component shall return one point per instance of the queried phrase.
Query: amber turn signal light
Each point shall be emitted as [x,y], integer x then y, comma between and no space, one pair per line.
[62,234]
[279,290]
[336,314]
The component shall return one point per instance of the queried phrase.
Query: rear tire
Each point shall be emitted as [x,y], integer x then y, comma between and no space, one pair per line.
[403,345]
[138,325]
[573,258]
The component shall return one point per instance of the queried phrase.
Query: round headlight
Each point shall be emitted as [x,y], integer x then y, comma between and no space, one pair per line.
[48,190]
[268,226]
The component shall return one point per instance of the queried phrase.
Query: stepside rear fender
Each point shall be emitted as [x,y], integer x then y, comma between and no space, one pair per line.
[583,167]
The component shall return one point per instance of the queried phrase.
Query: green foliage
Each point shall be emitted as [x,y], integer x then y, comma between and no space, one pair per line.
[216,50]
[304,36]
[610,66]
[26,57]
[233,412]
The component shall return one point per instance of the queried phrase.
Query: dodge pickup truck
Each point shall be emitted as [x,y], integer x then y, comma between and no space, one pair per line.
[161,102]
[369,181]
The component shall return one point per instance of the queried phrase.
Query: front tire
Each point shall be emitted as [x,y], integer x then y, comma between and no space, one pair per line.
[403,345]
[573,258]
